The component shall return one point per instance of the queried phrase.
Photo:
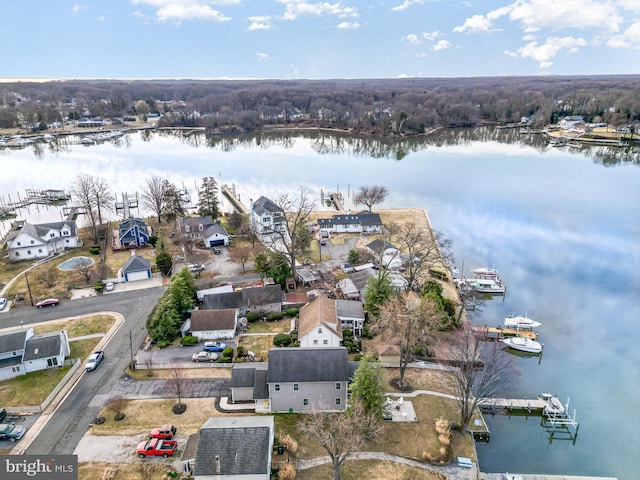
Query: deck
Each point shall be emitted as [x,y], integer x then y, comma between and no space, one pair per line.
[499,332]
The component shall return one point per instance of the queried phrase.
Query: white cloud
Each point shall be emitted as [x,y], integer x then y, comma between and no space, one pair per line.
[141,16]
[101,18]
[260,23]
[76,9]
[630,38]
[179,10]
[441,45]
[413,39]
[348,26]
[406,4]
[431,35]
[476,24]
[263,57]
[300,8]
[544,53]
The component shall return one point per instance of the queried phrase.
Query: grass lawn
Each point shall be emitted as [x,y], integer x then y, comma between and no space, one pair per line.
[369,469]
[80,326]
[280,326]
[259,345]
[108,471]
[419,379]
[164,373]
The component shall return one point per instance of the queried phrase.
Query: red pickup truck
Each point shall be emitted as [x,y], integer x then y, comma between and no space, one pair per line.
[165,432]
[156,446]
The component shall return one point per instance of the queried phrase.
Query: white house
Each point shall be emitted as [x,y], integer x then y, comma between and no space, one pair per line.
[350,314]
[42,240]
[318,324]
[267,218]
[362,222]
[213,324]
[204,229]
[23,352]
[571,121]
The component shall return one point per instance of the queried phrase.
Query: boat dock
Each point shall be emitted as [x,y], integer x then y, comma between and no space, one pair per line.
[33,197]
[230,194]
[496,333]
[545,403]
[535,476]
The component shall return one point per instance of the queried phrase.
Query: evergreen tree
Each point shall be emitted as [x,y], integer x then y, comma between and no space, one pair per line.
[173,207]
[208,203]
[368,386]
[377,292]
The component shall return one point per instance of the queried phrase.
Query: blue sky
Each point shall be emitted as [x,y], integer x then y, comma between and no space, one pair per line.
[291,39]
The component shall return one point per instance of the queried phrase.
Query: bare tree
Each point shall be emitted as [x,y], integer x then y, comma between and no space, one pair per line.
[153,196]
[410,323]
[86,271]
[176,384]
[241,256]
[83,193]
[341,434]
[369,196]
[483,369]
[104,198]
[117,405]
[50,276]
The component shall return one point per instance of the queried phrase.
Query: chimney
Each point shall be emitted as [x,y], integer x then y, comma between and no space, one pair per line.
[217,464]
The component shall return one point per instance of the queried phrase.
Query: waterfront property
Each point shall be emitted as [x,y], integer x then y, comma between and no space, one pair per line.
[42,240]
[362,222]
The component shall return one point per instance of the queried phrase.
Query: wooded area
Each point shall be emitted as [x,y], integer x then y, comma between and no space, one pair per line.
[406,106]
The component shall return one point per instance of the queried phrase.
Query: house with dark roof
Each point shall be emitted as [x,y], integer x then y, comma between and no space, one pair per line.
[23,352]
[267,218]
[350,314]
[42,240]
[204,229]
[267,298]
[133,233]
[213,324]
[362,222]
[136,268]
[234,447]
[318,325]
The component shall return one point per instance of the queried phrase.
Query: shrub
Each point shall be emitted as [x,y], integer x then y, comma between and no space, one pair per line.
[163,343]
[291,312]
[347,334]
[98,286]
[252,316]
[294,344]
[224,359]
[188,340]
[369,335]
[274,316]
[281,340]
[240,350]
[94,250]
[227,352]
[287,472]
[289,443]
[357,357]
[294,335]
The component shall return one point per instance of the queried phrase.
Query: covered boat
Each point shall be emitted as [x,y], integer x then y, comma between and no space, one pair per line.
[523,344]
[521,322]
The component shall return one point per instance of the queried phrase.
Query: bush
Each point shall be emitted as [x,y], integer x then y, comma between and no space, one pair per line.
[252,316]
[281,340]
[291,312]
[357,357]
[98,286]
[224,359]
[274,316]
[188,340]
[287,472]
[289,443]
[294,344]
[227,352]
[369,335]
[294,335]
[94,250]
[347,334]
[163,343]
[240,351]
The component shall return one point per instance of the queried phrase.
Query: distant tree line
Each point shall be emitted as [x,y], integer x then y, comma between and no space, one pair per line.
[377,106]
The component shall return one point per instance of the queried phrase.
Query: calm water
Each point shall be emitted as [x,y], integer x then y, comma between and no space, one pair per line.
[563,228]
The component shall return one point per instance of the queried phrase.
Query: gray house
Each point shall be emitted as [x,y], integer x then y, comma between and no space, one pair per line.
[136,268]
[267,298]
[363,222]
[234,447]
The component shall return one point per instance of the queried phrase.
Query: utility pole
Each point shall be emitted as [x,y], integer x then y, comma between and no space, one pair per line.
[28,288]
[131,349]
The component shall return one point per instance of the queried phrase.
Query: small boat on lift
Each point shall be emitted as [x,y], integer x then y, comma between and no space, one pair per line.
[523,344]
[486,272]
[524,323]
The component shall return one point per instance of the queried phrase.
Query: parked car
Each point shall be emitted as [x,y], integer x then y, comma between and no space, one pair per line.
[196,267]
[11,432]
[216,251]
[214,346]
[94,360]
[109,286]
[165,432]
[155,446]
[48,302]
[3,303]
[204,356]
[347,267]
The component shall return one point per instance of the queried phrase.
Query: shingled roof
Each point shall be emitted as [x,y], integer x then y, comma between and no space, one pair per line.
[241,444]
[224,319]
[288,365]
[319,311]
[263,204]
[43,345]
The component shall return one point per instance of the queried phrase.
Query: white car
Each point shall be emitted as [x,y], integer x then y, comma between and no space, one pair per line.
[94,360]
[109,286]
[196,267]
[3,303]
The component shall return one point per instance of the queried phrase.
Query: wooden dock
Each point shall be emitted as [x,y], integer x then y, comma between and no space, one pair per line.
[230,194]
[525,404]
[535,476]
[495,333]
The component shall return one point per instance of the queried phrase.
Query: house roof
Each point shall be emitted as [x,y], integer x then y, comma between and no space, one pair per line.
[247,297]
[195,222]
[43,345]
[368,218]
[242,376]
[347,287]
[361,278]
[321,311]
[260,386]
[287,365]
[41,230]
[130,222]
[216,301]
[224,319]
[264,205]
[242,445]
[210,291]
[215,229]
[10,342]
[378,246]
[349,308]
[136,264]
[364,218]
[305,275]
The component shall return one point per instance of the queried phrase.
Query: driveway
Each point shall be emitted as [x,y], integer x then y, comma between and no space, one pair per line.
[191,388]
[339,251]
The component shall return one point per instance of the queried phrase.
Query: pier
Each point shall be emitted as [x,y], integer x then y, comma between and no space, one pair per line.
[230,194]
[33,197]
[496,333]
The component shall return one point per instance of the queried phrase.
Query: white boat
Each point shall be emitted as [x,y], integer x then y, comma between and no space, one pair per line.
[523,344]
[521,322]
[485,272]
[486,285]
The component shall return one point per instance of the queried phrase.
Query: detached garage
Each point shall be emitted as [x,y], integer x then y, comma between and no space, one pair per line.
[136,268]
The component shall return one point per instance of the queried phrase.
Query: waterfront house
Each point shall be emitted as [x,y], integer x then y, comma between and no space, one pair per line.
[204,229]
[42,240]
[133,233]
[267,218]
[362,222]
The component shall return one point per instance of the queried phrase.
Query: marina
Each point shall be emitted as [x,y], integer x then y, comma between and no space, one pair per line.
[33,197]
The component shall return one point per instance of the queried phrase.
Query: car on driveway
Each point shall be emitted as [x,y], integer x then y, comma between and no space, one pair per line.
[94,360]
[11,432]
[204,357]
[48,302]
[216,250]
[214,346]
[196,267]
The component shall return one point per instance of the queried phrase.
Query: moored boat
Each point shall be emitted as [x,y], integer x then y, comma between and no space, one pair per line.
[486,285]
[485,272]
[521,322]
[523,344]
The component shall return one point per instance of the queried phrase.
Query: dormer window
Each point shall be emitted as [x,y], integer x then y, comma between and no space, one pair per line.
[187,229]
[51,235]
[319,329]
[200,227]
[32,242]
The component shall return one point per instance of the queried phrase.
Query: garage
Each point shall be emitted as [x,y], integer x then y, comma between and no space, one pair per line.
[136,268]
[217,243]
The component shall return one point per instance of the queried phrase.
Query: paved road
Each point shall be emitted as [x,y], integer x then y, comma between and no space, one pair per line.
[76,412]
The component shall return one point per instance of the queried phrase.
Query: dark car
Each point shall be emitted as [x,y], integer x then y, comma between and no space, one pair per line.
[11,432]
[48,302]
[214,346]
[216,251]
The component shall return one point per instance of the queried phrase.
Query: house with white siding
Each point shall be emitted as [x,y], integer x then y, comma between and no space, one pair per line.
[213,324]
[362,222]
[318,324]
[42,240]
[23,352]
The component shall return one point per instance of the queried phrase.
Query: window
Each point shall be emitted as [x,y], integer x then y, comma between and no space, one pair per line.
[319,329]
[52,362]
[315,341]
[295,387]
[325,342]
[67,240]
[338,401]
[51,235]
[39,250]
[200,227]
[15,369]
[32,242]
[338,386]
[276,387]
[305,401]
[187,229]
[28,252]
[18,243]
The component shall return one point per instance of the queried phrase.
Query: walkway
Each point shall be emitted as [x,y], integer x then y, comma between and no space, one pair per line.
[451,471]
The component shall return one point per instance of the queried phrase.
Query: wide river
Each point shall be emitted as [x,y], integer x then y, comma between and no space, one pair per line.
[562,225]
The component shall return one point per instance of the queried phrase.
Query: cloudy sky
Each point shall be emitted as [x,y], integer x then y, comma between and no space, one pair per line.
[289,39]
